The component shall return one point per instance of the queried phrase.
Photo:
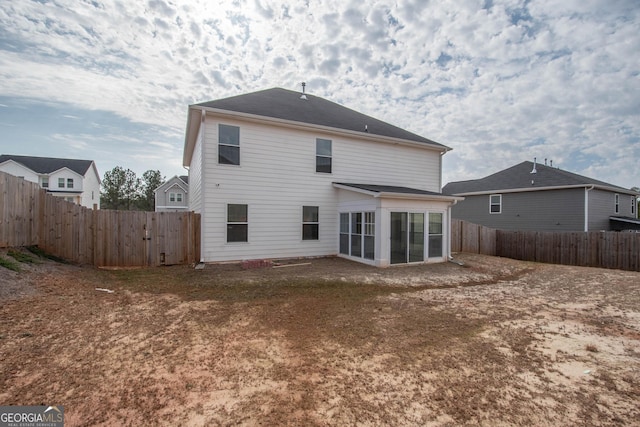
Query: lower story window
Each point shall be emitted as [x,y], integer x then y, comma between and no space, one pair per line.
[435,235]
[310,223]
[237,223]
[357,234]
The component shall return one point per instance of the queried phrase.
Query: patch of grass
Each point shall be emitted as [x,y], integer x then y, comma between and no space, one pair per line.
[7,263]
[21,257]
[42,254]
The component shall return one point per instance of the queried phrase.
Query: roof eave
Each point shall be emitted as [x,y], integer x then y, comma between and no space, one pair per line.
[302,125]
[530,189]
[424,197]
[393,195]
[193,126]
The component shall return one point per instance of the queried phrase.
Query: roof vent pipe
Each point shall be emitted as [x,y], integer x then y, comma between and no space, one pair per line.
[303,96]
[534,166]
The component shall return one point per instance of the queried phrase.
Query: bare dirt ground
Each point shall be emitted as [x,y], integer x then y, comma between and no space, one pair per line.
[496,342]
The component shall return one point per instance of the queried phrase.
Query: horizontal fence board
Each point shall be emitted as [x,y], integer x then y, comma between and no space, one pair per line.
[103,238]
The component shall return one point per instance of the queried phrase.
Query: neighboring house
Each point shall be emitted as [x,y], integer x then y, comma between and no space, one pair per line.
[279,174]
[75,180]
[173,195]
[536,197]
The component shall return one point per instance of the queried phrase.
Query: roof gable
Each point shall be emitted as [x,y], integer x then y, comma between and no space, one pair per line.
[520,177]
[47,165]
[181,181]
[289,105]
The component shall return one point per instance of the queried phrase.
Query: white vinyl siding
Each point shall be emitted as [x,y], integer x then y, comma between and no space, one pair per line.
[277,176]
[195,175]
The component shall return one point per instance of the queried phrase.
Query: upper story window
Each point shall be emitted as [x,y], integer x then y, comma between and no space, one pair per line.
[495,203]
[323,155]
[172,197]
[69,182]
[228,145]
[617,203]
[633,205]
[60,182]
[45,182]
[310,223]
[178,197]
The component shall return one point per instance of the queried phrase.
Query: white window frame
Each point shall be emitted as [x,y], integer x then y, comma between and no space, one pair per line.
[491,204]
[317,223]
[69,182]
[330,156]
[633,205]
[45,182]
[221,144]
[617,203]
[237,223]
[179,197]
[367,229]
[61,182]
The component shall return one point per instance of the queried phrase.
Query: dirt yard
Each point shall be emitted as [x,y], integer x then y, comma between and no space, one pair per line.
[493,342]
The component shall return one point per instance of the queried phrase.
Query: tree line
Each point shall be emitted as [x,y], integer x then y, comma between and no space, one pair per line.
[123,190]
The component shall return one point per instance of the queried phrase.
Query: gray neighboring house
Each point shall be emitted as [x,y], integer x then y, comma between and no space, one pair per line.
[536,197]
[173,195]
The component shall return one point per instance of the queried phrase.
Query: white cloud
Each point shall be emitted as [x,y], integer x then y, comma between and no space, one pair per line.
[499,84]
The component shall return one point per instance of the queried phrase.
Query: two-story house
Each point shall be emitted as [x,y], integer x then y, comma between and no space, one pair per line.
[280,174]
[173,195]
[538,197]
[75,180]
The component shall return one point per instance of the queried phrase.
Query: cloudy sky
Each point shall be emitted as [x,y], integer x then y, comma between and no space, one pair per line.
[498,81]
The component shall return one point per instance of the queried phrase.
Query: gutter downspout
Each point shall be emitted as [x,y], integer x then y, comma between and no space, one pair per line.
[586,207]
[449,256]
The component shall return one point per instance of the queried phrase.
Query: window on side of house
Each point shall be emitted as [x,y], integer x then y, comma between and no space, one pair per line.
[435,235]
[344,233]
[45,182]
[237,223]
[495,203]
[369,235]
[617,203]
[358,234]
[60,182]
[633,205]
[323,155]
[178,197]
[310,223]
[172,197]
[69,182]
[228,145]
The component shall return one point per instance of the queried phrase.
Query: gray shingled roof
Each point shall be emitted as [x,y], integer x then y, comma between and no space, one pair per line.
[287,105]
[47,165]
[388,189]
[520,177]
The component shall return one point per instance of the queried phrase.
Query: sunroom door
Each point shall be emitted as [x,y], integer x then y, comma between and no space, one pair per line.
[407,237]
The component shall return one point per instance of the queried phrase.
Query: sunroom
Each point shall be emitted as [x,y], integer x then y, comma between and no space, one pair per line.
[389,225]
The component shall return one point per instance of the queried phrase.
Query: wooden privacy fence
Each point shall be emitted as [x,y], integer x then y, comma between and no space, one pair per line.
[608,249]
[103,238]
[473,238]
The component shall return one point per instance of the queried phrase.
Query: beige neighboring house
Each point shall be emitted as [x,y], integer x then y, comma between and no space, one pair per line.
[173,195]
[74,180]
